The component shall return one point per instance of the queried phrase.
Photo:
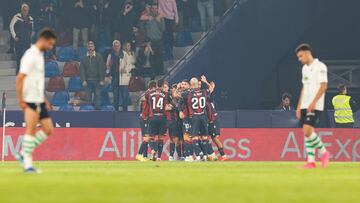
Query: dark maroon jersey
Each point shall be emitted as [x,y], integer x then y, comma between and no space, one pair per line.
[156,101]
[196,101]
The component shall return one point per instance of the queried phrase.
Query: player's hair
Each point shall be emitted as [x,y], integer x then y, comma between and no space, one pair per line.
[341,88]
[152,84]
[47,33]
[174,86]
[186,80]
[161,83]
[303,47]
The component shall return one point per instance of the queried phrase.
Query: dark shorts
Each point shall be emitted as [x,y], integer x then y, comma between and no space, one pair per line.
[157,126]
[214,128]
[199,125]
[309,118]
[186,126]
[39,108]
[173,127]
[144,127]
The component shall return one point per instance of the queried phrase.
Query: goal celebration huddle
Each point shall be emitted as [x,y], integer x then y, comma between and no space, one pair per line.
[186,111]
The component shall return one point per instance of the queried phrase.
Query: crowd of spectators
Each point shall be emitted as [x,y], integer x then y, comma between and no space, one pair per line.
[138,30]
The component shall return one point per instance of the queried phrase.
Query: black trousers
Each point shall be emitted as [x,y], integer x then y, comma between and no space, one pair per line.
[169,32]
[344,125]
[20,49]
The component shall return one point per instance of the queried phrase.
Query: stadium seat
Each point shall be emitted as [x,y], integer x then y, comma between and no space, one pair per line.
[51,69]
[65,54]
[60,98]
[105,99]
[87,107]
[107,108]
[56,84]
[66,107]
[82,53]
[71,69]
[183,39]
[75,84]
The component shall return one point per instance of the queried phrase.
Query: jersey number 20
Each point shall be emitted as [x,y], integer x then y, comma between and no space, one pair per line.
[198,103]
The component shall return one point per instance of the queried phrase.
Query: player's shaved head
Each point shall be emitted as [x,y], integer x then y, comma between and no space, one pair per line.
[194,82]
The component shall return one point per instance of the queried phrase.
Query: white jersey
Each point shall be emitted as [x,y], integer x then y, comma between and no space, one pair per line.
[312,76]
[33,66]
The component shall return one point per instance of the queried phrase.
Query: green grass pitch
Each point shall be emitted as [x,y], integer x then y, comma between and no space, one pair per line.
[179,182]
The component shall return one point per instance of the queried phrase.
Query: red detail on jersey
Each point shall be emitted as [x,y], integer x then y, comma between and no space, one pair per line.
[210,113]
[156,101]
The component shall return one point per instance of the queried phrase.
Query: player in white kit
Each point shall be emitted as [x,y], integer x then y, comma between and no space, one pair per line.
[30,87]
[311,103]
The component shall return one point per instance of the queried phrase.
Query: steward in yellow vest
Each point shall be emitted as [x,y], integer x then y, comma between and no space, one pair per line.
[344,106]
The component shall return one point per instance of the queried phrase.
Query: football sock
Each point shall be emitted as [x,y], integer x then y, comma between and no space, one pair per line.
[142,148]
[40,137]
[152,145]
[203,147]
[145,153]
[221,151]
[28,147]
[310,150]
[315,141]
[196,147]
[187,148]
[209,147]
[172,149]
[160,147]
[178,150]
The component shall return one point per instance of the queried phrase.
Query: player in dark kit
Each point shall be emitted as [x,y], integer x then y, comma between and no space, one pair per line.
[144,115]
[157,102]
[196,100]
[214,128]
[173,120]
[185,121]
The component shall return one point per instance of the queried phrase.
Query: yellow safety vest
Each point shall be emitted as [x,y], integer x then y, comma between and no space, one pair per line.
[343,112]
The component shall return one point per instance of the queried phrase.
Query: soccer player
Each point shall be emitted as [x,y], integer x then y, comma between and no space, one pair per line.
[144,115]
[214,128]
[311,103]
[157,101]
[196,100]
[186,122]
[30,90]
[172,117]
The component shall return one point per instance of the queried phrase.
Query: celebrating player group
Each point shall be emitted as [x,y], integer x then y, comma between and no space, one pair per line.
[187,112]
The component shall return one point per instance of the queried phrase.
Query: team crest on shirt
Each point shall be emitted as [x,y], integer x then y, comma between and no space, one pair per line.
[306,78]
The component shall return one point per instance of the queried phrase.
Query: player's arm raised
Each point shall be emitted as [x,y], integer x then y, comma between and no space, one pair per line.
[19,89]
[211,86]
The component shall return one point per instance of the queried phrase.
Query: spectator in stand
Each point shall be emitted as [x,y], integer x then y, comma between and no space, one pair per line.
[101,21]
[126,66]
[154,28]
[187,10]
[47,14]
[145,60]
[81,22]
[112,68]
[127,21]
[285,104]
[169,10]
[206,11]
[92,74]
[22,29]
[8,10]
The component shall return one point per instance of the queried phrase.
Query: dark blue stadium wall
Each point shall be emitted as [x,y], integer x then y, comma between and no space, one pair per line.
[251,56]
